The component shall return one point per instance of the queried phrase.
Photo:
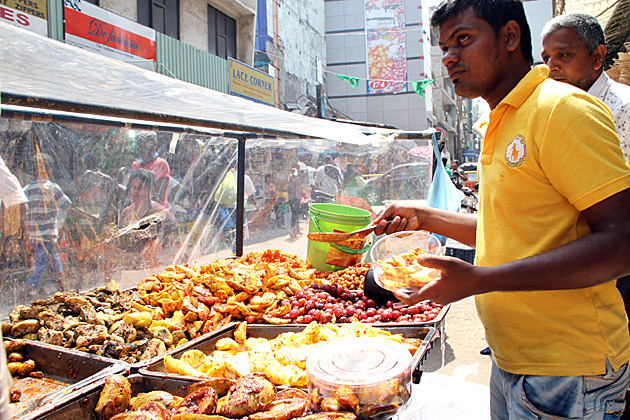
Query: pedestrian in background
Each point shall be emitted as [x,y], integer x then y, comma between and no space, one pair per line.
[149,159]
[328,178]
[543,240]
[458,176]
[295,191]
[574,48]
[45,215]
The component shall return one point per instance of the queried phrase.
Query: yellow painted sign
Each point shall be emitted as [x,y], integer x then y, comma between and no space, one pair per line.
[26,14]
[250,83]
[35,8]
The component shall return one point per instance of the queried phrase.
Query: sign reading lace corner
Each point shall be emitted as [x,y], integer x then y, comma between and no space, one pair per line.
[251,83]
[98,30]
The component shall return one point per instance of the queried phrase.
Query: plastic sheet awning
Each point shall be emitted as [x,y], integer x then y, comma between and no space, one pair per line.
[43,73]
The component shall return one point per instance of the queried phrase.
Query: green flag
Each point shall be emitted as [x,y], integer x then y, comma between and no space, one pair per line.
[418,86]
[354,81]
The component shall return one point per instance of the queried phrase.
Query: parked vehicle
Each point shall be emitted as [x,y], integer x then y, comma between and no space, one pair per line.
[409,181]
[470,201]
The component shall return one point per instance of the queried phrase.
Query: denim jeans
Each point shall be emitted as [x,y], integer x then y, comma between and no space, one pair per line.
[519,397]
[45,257]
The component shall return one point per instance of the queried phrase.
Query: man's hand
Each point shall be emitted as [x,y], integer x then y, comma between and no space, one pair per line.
[458,280]
[400,217]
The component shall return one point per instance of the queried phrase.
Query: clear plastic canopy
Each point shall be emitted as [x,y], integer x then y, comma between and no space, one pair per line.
[118,171]
[42,72]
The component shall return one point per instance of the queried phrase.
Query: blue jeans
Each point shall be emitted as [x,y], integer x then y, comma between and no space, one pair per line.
[45,256]
[599,397]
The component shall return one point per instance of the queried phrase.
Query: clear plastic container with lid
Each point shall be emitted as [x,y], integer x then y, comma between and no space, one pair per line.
[368,376]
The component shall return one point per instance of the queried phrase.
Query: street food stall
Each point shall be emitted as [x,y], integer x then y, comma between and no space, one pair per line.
[161,220]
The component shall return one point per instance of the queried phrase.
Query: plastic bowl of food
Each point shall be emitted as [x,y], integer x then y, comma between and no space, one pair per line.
[368,376]
[394,260]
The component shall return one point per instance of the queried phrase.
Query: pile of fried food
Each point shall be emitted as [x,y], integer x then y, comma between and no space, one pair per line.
[351,278]
[166,309]
[375,402]
[103,321]
[403,270]
[282,360]
[18,366]
[252,397]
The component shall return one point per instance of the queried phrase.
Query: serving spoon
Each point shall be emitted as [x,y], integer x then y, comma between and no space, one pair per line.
[343,236]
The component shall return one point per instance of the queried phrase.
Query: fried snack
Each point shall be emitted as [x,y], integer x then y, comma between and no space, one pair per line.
[403,270]
[351,278]
[114,398]
[281,360]
[329,416]
[201,401]
[286,405]
[163,397]
[136,415]
[220,385]
[248,396]
[201,299]
[14,394]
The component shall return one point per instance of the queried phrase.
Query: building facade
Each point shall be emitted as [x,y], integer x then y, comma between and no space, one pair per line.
[291,44]
[382,46]
[193,40]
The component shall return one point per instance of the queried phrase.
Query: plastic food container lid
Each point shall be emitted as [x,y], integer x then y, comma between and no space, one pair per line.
[359,361]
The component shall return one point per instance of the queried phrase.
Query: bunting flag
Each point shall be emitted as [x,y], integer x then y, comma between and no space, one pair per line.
[354,81]
[418,86]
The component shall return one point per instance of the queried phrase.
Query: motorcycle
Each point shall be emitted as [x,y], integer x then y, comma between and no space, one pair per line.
[471,201]
[320,196]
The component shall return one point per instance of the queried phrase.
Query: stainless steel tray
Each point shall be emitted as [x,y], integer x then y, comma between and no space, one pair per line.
[207,345]
[65,372]
[82,406]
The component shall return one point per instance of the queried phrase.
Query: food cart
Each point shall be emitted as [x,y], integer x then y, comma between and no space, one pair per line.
[85,134]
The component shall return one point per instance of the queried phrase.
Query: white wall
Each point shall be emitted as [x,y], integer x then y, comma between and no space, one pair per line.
[538,13]
[301,29]
[123,8]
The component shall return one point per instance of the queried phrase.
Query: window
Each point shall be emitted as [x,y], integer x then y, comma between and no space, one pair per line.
[91,1]
[221,34]
[161,15]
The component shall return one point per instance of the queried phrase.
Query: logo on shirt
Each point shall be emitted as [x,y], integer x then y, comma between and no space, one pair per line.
[516,152]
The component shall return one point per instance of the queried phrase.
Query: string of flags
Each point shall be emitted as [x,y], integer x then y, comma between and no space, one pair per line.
[418,86]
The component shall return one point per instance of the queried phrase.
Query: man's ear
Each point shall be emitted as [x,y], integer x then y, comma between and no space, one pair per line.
[512,33]
[599,54]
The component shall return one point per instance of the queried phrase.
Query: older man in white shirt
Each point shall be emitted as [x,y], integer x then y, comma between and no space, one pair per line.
[574,48]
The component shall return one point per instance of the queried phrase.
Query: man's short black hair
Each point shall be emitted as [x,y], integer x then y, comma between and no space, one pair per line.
[496,12]
[586,27]
[146,177]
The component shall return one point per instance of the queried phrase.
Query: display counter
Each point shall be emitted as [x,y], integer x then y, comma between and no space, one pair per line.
[126,181]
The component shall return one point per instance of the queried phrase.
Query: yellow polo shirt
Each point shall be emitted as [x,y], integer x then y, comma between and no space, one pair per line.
[550,151]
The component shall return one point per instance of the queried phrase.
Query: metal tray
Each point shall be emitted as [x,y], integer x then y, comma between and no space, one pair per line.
[207,345]
[65,371]
[82,406]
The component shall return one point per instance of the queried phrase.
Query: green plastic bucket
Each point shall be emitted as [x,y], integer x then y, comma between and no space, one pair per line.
[325,256]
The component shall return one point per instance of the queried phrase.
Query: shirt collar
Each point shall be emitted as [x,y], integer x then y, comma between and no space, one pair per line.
[526,86]
[600,85]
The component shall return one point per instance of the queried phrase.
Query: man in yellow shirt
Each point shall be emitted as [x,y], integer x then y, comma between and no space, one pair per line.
[552,232]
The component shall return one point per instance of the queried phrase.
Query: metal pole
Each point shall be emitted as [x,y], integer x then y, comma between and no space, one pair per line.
[240,196]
